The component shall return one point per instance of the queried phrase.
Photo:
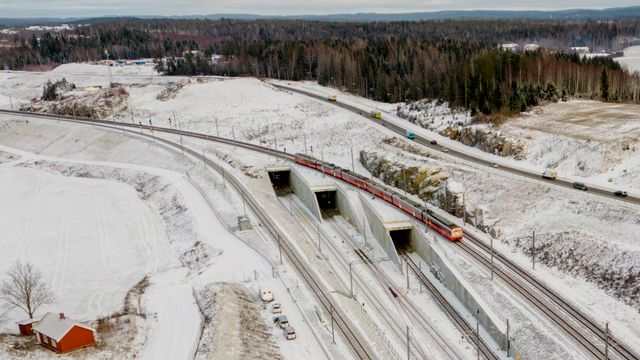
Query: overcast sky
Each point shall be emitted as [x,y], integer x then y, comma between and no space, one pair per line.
[75,8]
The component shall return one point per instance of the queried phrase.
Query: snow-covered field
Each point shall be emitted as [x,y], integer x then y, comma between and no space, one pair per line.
[601,231]
[631,59]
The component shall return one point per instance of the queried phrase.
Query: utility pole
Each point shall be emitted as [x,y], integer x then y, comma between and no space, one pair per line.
[508,340]
[351,279]
[233,133]
[319,249]
[606,340]
[407,263]
[333,334]
[478,337]
[353,167]
[224,183]
[244,206]
[280,249]
[420,270]
[290,204]
[304,136]
[491,257]
[203,160]
[11,102]
[408,345]
[217,130]
[364,230]
[464,209]
[533,250]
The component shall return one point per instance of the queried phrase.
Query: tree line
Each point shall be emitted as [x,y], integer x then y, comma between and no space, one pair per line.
[454,60]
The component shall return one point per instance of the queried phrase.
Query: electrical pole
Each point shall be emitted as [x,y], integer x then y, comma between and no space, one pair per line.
[491,257]
[304,136]
[233,133]
[478,337]
[364,230]
[217,130]
[407,263]
[333,334]
[464,209]
[606,340]
[203,160]
[533,250]
[290,204]
[11,102]
[508,340]
[408,345]
[353,168]
[319,249]
[224,183]
[350,279]
[280,249]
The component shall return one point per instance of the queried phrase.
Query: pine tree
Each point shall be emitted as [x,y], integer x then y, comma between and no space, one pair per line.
[604,86]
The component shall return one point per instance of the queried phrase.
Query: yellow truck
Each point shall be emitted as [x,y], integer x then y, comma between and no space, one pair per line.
[376,115]
[332,98]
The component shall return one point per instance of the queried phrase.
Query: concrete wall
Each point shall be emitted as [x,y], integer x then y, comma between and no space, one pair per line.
[446,274]
[304,193]
[379,231]
[346,209]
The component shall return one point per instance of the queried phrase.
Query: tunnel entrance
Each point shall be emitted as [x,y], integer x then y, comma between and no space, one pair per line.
[402,240]
[280,180]
[327,203]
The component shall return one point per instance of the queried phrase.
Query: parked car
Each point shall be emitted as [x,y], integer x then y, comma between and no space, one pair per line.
[276,308]
[620,193]
[281,321]
[580,186]
[289,333]
[444,149]
[433,142]
[494,165]
[266,296]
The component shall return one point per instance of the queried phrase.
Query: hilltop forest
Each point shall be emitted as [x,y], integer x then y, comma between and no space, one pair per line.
[457,61]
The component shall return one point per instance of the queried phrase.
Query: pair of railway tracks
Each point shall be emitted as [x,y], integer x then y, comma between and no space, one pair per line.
[616,347]
[580,327]
[360,349]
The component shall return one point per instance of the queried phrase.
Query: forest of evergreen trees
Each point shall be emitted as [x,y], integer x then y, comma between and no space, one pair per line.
[456,61]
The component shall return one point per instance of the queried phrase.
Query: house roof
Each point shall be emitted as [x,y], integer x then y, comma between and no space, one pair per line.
[56,328]
[27,321]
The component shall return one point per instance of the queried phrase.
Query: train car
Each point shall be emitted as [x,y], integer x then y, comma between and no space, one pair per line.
[439,224]
[443,226]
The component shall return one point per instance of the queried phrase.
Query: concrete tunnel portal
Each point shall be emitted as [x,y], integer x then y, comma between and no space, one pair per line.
[402,239]
[327,202]
[281,181]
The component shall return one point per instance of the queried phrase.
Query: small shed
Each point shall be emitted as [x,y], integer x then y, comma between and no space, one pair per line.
[61,334]
[26,326]
[244,223]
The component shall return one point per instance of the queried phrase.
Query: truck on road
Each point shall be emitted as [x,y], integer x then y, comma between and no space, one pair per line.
[376,115]
[411,135]
[550,174]
[332,98]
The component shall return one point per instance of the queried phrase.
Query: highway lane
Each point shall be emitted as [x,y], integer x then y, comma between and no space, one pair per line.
[464,156]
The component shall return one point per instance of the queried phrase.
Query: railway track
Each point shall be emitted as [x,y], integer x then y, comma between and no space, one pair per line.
[565,183]
[361,350]
[451,312]
[616,347]
[548,302]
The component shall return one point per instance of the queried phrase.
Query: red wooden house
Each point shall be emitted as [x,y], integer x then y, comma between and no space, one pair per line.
[62,334]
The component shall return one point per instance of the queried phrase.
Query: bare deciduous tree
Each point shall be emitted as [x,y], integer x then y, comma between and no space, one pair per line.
[25,289]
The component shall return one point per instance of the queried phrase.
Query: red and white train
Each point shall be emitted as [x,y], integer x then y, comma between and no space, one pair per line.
[439,224]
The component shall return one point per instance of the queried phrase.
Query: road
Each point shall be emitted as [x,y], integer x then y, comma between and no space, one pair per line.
[391,122]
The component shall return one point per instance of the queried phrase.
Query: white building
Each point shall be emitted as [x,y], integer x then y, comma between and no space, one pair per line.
[509,47]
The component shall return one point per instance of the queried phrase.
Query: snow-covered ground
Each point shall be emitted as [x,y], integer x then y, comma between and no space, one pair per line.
[157,223]
[631,59]
[255,111]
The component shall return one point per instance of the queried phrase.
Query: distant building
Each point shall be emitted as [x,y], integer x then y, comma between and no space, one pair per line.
[530,47]
[61,334]
[509,47]
[602,54]
[581,50]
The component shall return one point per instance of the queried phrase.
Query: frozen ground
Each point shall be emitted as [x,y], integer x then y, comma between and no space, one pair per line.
[566,223]
[199,248]
[631,59]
